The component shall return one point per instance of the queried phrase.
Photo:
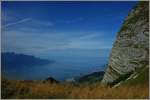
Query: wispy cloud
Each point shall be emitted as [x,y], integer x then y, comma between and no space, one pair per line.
[71,21]
[43,23]
[93,40]
[18,22]
[90,36]
[20,41]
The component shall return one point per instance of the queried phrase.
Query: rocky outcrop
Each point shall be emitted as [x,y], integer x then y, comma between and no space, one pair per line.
[131,48]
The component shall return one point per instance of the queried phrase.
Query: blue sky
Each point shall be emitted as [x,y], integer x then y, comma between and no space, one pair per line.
[37,27]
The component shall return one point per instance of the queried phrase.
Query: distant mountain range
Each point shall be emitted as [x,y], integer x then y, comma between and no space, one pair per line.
[20,60]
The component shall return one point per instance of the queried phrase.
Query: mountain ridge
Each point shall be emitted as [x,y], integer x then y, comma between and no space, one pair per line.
[11,59]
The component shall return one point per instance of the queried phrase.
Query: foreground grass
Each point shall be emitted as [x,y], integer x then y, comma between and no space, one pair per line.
[38,89]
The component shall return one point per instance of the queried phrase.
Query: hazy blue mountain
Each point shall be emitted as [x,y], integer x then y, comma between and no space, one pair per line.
[21,60]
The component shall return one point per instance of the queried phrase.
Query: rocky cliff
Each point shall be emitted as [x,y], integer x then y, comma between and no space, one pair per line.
[130,51]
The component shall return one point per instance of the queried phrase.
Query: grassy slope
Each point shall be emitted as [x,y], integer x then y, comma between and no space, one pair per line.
[139,77]
[21,89]
[137,88]
[142,77]
[91,78]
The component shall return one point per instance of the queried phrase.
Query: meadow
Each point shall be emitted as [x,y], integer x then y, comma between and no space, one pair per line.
[13,89]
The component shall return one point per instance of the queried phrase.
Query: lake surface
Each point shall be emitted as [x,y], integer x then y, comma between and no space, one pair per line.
[67,64]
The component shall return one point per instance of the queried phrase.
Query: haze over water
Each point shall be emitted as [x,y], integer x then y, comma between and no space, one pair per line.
[77,36]
[65,66]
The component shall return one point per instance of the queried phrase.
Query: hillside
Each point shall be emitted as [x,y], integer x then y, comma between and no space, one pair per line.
[13,89]
[130,51]
[91,78]
[13,60]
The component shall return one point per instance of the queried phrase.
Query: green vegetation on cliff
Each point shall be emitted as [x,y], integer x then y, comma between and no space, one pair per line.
[141,77]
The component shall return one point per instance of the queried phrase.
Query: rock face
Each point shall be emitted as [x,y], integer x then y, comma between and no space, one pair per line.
[131,48]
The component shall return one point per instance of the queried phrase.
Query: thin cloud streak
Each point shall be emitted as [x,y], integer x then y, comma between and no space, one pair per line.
[18,22]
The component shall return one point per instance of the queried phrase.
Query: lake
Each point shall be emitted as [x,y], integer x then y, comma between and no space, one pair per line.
[67,64]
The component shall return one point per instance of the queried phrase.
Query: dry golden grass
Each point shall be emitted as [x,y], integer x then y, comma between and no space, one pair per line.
[17,89]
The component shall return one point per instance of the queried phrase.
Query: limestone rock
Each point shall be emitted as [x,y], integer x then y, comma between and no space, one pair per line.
[131,48]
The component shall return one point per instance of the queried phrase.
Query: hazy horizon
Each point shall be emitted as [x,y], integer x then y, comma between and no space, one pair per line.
[75,34]
[39,27]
